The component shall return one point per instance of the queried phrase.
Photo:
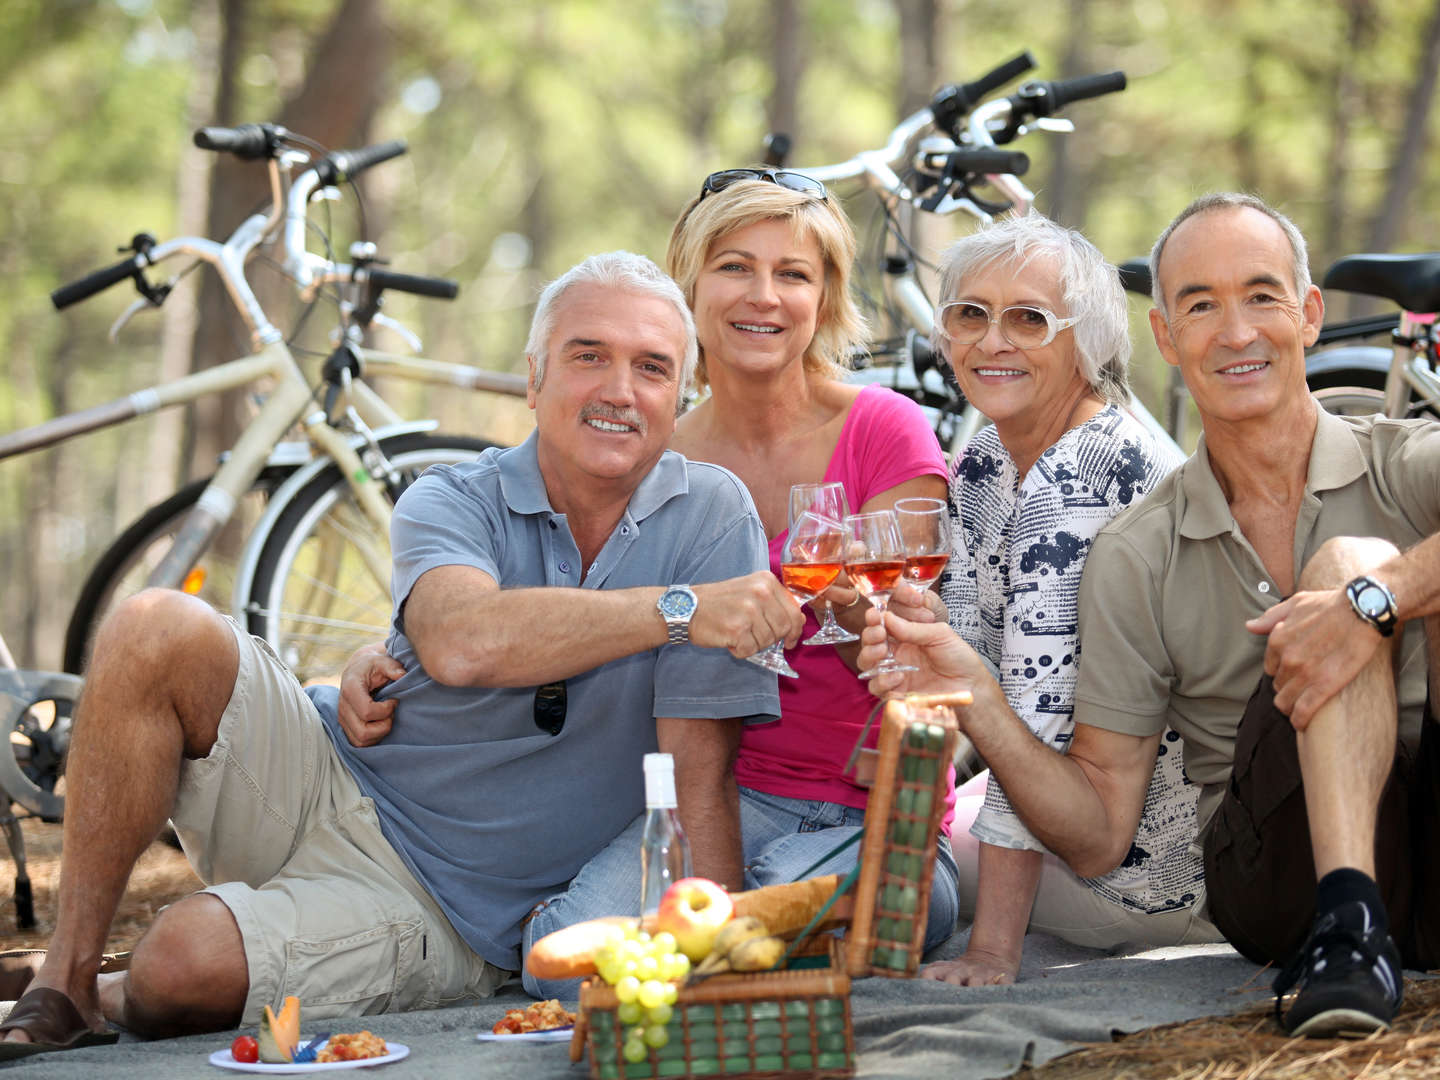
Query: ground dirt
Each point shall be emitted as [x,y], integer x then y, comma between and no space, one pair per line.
[161,877]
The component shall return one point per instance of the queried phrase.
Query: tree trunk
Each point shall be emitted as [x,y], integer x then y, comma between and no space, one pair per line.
[1410,153]
[334,106]
[164,464]
[1345,106]
[920,41]
[1066,186]
[787,62]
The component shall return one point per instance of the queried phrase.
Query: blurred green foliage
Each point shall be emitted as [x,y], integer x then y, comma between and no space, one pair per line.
[542,132]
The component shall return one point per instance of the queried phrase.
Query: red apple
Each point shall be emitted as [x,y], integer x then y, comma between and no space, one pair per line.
[694,909]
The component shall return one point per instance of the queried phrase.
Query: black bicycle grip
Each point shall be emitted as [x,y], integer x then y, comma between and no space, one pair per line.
[440,288]
[248,141]
[1135,276]
[993,80]
[342,165]
[91,284]
[1086,86]
[1039,98]
[1014,162]
[953,101]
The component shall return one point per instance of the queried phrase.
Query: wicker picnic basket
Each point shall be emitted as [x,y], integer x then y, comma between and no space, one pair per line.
[796,1022]
[787,1023]
[918,739]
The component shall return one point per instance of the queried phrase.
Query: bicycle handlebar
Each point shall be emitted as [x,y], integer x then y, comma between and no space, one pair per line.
[1041,98]
[440,288]
[96,281]
[250,142]
[953,101]
[343,165]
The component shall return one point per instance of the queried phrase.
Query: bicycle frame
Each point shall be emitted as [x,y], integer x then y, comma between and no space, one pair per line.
[1411,366]
[284,406]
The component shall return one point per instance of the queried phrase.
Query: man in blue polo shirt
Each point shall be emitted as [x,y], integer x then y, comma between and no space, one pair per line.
[560,609]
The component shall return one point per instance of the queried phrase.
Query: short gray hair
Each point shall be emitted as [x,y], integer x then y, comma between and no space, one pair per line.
[1233,200]
[617,270]
[1089,286]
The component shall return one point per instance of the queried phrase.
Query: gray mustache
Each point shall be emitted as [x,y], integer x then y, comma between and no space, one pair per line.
[618,416]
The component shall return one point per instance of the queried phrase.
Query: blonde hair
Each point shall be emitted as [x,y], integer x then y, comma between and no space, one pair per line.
[839,326]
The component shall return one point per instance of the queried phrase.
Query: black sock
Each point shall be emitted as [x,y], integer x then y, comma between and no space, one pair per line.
[1347,884]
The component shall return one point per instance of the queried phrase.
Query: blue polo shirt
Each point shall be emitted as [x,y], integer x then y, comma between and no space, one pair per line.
[491,813]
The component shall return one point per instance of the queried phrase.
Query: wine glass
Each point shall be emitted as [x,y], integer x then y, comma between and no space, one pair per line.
[826,500]
[874,560]
[924,535]
[814,551]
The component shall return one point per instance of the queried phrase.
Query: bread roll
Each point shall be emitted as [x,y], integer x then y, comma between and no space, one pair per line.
[570,953]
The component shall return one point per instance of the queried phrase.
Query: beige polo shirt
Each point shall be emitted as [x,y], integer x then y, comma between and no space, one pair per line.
[1169,585]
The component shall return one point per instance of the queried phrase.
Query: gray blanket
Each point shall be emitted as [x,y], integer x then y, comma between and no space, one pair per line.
[903,1028]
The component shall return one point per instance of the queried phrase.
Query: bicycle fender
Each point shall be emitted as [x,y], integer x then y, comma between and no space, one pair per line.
[250,556]
[1349,365]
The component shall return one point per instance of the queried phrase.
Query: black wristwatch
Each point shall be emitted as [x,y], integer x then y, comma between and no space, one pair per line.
[676,606]
[1374,603]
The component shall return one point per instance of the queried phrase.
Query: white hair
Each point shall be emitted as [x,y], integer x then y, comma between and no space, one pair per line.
[618,270]
[1089,288]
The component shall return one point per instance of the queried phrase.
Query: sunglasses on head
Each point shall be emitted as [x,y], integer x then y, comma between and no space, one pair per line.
[786,178]
[550,707]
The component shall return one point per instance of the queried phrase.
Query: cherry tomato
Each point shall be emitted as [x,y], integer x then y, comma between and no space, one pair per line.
[246,1049]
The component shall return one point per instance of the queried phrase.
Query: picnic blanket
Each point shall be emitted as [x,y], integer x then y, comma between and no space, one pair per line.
[903,1028]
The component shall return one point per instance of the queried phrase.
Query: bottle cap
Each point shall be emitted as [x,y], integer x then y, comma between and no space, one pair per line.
[659,781]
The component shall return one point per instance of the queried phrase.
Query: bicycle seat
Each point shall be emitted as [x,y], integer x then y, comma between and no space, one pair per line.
[1412,281]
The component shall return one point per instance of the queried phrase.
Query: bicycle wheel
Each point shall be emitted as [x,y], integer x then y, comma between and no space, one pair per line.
[322,578]
[1351,400]
[126,564]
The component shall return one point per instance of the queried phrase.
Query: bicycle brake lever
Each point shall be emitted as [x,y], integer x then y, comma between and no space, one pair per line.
[397,327]
[134,308]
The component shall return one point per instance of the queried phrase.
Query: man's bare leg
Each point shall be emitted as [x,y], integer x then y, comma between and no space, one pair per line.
[1347,750]
[163,671]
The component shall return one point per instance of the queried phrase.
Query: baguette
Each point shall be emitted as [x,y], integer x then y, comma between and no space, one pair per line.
[787,909]
[570,953]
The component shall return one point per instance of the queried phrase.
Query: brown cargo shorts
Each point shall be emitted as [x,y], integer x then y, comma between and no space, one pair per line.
[1259,870]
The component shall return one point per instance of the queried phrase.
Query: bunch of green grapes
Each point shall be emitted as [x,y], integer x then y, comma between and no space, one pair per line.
[645,972]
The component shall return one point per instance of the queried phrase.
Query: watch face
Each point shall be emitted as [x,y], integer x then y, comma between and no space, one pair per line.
[677,603]
[1372,601]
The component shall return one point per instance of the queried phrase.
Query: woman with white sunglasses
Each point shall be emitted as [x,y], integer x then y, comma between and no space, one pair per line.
[1033,323]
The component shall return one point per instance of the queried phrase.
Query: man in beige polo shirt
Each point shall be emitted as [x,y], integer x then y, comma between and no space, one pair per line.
[1251,603]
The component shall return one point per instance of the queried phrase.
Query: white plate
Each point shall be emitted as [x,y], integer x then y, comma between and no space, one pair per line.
[226,1060]
[551,1035]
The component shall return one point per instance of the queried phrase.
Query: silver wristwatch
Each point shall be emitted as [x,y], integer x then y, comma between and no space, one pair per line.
[1373,602]
[677,606]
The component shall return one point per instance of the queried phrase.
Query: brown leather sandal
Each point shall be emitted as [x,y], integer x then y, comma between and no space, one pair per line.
[53,1023]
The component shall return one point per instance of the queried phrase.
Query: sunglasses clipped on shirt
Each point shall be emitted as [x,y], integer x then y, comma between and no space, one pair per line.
[550,702]
[964,322]
[786,178]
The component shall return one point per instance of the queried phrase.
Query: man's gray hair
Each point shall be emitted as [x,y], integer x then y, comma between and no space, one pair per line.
[1233,200]
[618,270]
[1089,287]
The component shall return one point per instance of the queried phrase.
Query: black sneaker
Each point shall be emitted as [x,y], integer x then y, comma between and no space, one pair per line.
[1346,976]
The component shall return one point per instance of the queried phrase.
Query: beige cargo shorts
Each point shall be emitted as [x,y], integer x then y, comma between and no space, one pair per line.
[277,828]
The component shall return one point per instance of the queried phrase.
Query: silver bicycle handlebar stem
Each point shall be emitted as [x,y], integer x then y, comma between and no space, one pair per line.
[978,129]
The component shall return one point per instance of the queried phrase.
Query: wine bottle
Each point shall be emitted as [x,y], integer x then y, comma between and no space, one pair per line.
[664,851]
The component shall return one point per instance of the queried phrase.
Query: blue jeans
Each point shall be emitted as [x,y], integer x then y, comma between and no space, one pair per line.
[785,837]
[609,884]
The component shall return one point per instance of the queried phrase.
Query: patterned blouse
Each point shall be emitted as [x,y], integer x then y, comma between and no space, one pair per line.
[1011,588]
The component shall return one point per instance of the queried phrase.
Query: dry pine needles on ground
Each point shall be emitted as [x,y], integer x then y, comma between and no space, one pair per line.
[161,877]
[1249,1045]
